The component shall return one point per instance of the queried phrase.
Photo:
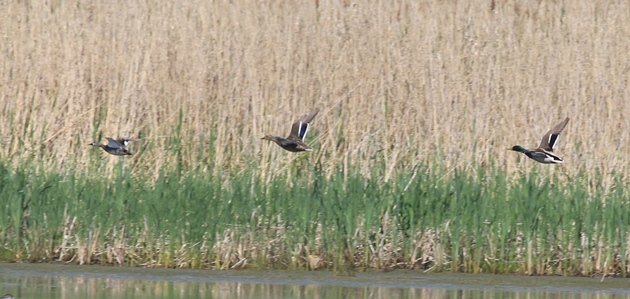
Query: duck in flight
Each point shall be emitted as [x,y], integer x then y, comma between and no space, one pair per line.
[116,147]
[544,152]
[295,141]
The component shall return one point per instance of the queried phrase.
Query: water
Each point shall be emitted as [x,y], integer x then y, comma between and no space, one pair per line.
[72,281]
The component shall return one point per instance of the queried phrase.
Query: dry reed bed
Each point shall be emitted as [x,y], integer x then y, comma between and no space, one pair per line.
[401,81]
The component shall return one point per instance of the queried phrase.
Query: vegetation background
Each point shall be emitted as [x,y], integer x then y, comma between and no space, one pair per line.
[400,84]
[403,81]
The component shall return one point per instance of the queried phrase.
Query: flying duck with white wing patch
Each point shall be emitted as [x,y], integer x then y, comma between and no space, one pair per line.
[544,152]
[295,141]
[116,147]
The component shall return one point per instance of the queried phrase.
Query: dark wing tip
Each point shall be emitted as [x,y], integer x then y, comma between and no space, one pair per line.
[306,118]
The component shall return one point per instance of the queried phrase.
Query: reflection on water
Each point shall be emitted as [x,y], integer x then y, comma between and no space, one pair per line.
[69,281]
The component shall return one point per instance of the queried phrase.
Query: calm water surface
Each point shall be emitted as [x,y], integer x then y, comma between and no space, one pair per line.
[71,281]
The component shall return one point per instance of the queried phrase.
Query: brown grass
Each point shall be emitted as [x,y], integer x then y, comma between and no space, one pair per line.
[405,81]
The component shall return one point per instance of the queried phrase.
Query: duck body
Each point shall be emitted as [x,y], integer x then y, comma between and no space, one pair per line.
[289,144]
[539,155]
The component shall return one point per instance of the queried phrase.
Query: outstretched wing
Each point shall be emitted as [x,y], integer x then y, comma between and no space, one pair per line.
[125,141]
[300,126]
[550,139]
[114,143]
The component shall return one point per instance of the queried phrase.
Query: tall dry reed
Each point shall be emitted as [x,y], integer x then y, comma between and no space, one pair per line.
[397,81]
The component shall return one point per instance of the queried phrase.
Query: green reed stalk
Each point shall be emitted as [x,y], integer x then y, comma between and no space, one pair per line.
[474,221]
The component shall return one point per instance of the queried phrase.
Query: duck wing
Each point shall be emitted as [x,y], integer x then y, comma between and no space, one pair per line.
[115,143]
[550,139]
[300,126]
[125,141]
